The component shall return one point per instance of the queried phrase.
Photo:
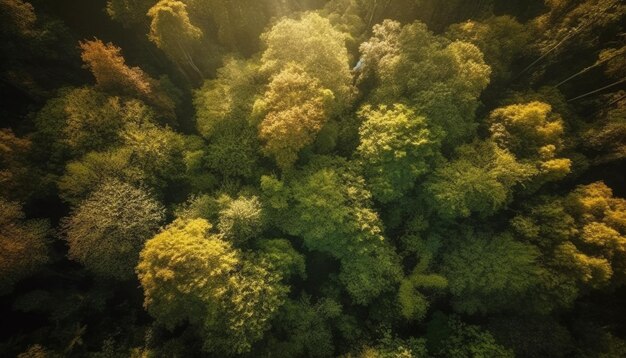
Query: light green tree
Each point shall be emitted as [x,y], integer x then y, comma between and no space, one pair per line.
[107,230]
[316,46]
[395,149]
[479,180]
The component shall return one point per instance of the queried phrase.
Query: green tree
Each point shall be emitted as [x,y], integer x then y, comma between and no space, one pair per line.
[450,337]
[107,230]
[395,149]
[241,220]
[413,302]
[440,79]
[502,39]
[80,120]
[190,275]
[490,273]
[150,155]
[281,254]
[329,208]
[480,180]
[225,103]
[23,245]
[306,328]
[314,45]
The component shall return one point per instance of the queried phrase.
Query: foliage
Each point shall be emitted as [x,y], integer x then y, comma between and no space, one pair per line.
[395,149]
[440,79]
[295,107]
[479,180]
[313,45]
[189,275]
[23,245]
[107,230]
[312,178]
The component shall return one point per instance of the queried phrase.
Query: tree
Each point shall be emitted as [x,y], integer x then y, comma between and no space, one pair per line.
[23,245]
[440,79]
[16,179]
[306,327]
[190,275]
[107,230]
[129,12]
[328,206]
[532,132]
[172,31]
[241,220]
[316,47]
[395,149]
[294,110]
[450,337]
[150,155]
[184,272]
[490,273]
[413,303]
[581,237]
[480,180]
[80,120]
[283,257]
[502,39]
[606,134]
[224,104]
[106,63]
[234,154]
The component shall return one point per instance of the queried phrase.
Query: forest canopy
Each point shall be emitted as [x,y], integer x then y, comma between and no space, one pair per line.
[313,178]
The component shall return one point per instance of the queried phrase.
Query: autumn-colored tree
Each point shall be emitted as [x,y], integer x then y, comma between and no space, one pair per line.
[112,74]
[23,245]
[294,109]
[533,132]
[172,31]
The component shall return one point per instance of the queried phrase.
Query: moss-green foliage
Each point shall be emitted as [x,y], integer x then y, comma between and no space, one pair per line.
[303,328]
[344,225]
[395,149]
[489,273]
[479,180]
[450,337]
[281,254]
[106,231]
[413,302]
[440,79]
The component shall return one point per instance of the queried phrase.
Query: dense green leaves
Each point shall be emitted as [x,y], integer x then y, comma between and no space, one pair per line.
[395,149]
